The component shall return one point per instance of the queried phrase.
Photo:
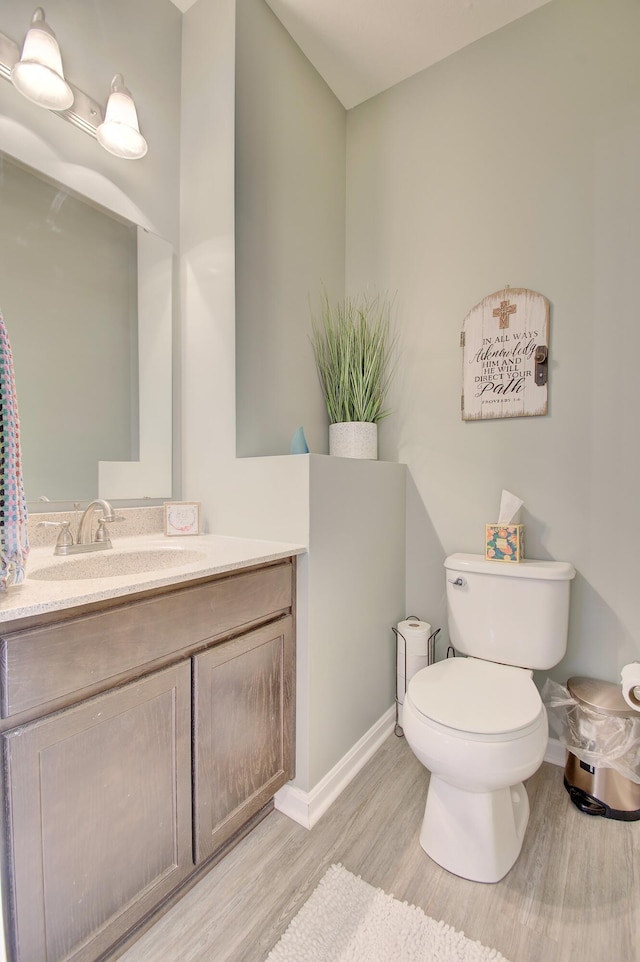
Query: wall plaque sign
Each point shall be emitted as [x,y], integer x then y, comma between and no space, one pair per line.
[504,343]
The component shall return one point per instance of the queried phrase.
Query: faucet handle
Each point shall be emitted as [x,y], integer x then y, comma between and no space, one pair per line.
[65,538]
[114,517]
[101,532]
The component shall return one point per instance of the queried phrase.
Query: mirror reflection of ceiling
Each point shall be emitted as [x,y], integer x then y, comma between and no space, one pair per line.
[90,324]
[68,291]
[362,47]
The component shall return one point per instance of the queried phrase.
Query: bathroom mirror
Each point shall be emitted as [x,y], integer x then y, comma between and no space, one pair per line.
[86,297]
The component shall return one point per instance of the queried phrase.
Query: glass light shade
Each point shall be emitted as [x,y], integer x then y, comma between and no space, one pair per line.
[120,131]
[38,74]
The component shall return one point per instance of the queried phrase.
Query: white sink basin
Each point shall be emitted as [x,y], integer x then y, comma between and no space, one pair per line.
[113,563]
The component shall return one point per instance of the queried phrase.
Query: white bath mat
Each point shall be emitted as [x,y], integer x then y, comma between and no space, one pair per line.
[347,920]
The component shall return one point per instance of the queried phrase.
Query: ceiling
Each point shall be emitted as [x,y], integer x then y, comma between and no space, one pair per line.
[362,47]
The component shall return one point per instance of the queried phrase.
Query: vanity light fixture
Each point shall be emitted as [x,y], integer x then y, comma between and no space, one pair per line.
[119,133]
[37,73]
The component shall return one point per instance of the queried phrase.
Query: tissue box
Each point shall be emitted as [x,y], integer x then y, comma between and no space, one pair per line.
[504,542]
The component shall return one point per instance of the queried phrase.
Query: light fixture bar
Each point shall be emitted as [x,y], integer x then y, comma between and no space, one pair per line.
[9,55]
[85,112]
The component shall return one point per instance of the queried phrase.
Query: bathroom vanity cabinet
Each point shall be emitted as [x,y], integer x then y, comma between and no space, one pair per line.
[140,741]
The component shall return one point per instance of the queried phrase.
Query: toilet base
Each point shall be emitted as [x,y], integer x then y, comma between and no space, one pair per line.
[476,835]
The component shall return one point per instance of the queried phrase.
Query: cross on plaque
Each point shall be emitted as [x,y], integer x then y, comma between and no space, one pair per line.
[503,313]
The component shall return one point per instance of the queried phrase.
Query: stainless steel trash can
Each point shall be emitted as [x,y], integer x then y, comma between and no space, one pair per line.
[597,790]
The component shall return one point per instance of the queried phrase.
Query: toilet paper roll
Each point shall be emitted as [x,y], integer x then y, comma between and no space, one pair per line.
[413,637]
[631,685]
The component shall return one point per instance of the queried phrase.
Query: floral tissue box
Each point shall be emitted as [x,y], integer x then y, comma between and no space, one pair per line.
[504,542]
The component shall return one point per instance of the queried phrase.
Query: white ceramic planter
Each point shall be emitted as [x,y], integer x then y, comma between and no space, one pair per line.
[354,439]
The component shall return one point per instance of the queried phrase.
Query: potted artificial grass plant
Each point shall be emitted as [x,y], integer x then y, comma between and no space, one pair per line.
[353,348]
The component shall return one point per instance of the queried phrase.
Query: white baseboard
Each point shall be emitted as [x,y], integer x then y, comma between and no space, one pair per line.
[307,807]
[556,753]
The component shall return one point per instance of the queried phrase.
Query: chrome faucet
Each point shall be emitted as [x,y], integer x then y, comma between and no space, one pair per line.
[85,540]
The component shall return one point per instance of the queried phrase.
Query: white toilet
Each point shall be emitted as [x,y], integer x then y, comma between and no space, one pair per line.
[478,723]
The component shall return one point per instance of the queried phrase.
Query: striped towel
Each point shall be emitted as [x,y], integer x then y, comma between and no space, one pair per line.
[14,542]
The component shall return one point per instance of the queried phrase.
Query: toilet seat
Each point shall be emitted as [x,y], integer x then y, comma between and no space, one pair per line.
[476,697]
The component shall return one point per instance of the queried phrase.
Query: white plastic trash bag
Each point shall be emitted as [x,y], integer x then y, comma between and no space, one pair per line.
[598,739]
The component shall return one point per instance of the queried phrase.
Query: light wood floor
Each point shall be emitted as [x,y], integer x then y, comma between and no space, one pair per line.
[574,893]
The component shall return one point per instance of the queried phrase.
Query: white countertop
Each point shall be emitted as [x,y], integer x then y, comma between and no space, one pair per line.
[216,554]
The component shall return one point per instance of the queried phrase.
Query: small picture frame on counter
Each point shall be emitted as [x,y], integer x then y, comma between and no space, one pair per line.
[181,518]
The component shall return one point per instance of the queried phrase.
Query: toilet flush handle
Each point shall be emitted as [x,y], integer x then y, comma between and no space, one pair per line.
[459,582]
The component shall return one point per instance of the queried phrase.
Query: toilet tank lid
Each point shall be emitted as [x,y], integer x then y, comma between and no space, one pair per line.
[544,570]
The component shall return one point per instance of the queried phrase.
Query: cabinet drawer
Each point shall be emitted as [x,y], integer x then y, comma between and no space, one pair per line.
[42,665]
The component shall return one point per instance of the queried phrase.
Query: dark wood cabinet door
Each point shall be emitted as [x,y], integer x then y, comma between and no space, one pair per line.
[244,708]
[99,816]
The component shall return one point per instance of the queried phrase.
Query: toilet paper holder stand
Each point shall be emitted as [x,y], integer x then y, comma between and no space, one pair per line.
[431,657]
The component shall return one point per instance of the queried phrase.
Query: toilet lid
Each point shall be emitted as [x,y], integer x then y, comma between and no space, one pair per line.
[475,696]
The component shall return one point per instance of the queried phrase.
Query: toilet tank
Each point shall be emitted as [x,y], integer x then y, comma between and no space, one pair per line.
[511,613]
